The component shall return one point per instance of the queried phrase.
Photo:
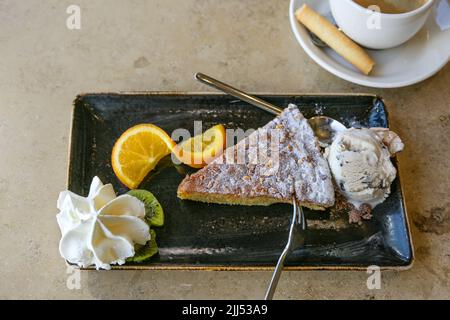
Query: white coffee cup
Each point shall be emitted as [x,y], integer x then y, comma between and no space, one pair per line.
[378,30]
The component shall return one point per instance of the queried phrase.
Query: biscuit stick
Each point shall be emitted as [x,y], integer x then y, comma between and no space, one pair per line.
[336,39]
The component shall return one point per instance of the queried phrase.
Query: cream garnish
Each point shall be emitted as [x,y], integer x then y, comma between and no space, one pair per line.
[100,229]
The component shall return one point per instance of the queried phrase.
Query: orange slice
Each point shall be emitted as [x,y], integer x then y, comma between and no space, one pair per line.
[200,150]
[138,151]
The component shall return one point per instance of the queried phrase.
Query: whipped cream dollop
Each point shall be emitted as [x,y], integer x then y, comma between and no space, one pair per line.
[360,162]
[100,229]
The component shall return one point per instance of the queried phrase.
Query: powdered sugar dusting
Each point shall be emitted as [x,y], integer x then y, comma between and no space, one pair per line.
[302,172]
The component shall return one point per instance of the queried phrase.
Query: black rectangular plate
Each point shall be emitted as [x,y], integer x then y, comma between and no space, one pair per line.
[219,237]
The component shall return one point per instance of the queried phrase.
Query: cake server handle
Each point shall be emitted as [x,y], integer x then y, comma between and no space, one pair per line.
[257,102]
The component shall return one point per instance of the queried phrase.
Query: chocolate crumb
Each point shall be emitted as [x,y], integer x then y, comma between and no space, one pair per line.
[355,215]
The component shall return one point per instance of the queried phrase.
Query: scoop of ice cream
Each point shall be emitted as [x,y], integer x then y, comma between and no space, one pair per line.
[360,163]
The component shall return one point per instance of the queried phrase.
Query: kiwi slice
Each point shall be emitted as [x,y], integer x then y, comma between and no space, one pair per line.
[145,252]
[154,214]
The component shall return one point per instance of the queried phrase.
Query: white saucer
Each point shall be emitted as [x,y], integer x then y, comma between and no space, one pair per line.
[418,59]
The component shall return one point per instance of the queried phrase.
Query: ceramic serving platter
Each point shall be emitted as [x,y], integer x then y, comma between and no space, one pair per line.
[219,237]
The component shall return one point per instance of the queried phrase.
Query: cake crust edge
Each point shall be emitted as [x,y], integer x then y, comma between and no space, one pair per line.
[229,199]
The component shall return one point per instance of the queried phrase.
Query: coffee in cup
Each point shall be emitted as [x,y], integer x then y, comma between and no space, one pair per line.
[393,6]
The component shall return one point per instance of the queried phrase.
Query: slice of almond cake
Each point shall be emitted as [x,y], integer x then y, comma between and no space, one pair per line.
[276,163]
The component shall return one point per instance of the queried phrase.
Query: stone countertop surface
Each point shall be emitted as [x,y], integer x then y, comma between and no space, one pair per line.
[159,45]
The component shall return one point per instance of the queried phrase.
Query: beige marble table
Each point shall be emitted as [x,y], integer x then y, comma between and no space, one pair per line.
[159,45]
